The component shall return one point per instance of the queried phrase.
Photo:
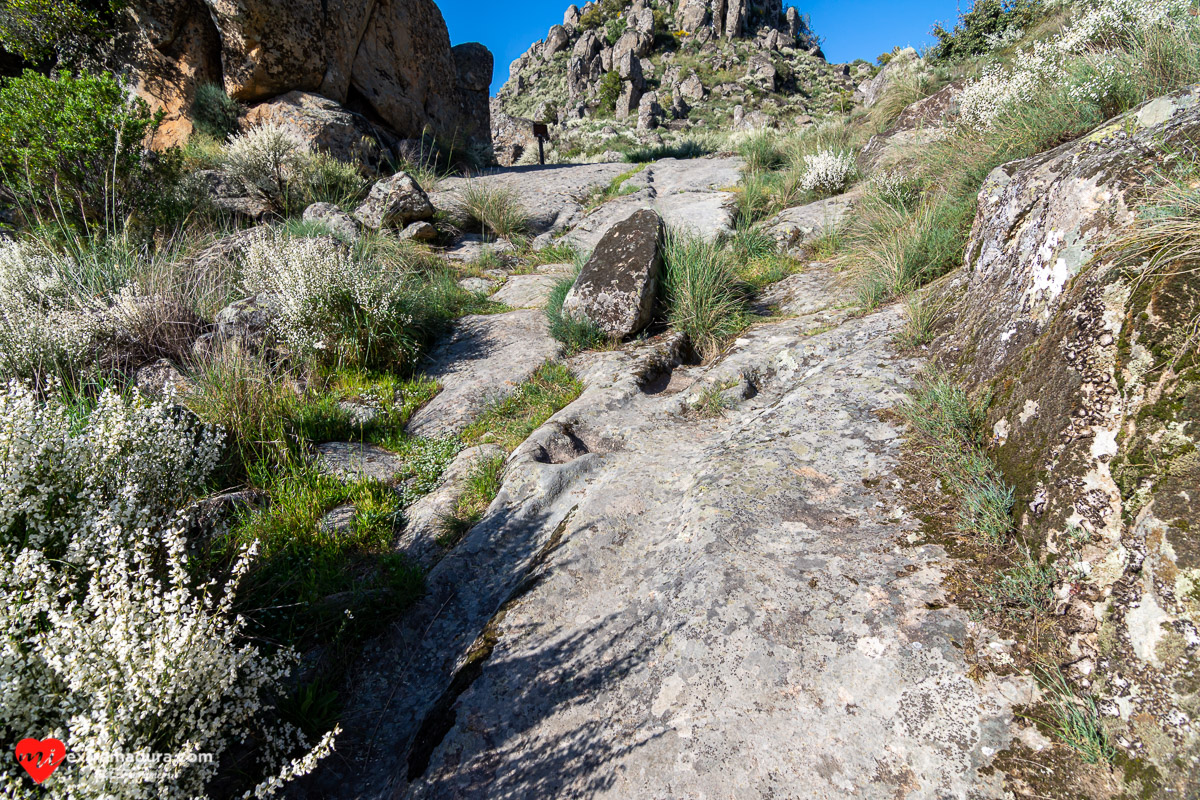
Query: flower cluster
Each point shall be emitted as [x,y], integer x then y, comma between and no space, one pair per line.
[106,642]
[895,187]
[266,158]
[1098,27]
[45,322]
[324,299]
[827,172]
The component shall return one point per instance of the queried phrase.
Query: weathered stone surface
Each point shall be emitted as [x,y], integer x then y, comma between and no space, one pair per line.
[692,87]
[474,65]
[161,378]
[556,42]
[477,285]
[394,54]
[394,203]
[355,461]
[485,359]
[420,232]
[617,287]
[338,221]
[175,47]
[649,112]
[1096,406]
[425,520]
[231,196]
[688,194]
[526,291]
[324,125]
[549,195]
[244,325]
[793,228]
[690,592]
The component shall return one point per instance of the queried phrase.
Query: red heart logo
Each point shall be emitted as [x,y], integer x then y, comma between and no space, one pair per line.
[40,758]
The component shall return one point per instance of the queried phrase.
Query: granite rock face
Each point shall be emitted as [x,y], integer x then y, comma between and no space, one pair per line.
[323,125]
[660,606]
[394,56]
[484,360]
[1096,410]
[616,289]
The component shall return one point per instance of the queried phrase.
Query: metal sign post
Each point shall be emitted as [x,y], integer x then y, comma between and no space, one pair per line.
[542,132]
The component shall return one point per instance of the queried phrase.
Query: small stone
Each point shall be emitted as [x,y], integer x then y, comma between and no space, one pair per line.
[419,232]
[393,203]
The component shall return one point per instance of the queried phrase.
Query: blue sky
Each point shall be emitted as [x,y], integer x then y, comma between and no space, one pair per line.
[851,29]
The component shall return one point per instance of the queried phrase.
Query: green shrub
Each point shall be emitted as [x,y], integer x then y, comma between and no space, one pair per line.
[36,30]
[978,29]
[74,147]
[608,92]
[614,28]
[600,14]
[215,113]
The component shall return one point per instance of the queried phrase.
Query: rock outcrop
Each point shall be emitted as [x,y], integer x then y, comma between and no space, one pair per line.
[391,58]
[324,125]
[1096,409]
[601,62]
[615,290]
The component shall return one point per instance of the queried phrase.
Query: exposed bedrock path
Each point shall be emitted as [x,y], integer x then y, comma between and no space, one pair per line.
[662,606]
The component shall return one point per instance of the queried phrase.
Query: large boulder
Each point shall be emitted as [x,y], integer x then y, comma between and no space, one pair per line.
[324,125]
[556,42]
[393,56]
[1090,359]
[394,202]
[616,288]
[473,64]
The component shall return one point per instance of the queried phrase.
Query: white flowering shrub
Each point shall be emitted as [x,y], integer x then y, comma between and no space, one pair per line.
[1086,54]
[267,158]
[106,642]
[330,304]
[46,325]
[827,172]
[896,187]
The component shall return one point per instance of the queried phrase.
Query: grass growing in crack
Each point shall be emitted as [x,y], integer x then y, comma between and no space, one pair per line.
[494,209]
[1075,719]
[1024,590]
[947,428]
[702,291]
[482,485]
[576,335]
[614,189]
[921,316]
[510,421]
[688,148]
[711,403]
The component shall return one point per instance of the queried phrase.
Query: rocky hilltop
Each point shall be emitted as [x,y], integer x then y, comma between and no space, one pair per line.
[389,60]
[618,68]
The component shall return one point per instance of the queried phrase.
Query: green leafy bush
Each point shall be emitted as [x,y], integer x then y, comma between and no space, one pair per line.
[74,146]
[215,113]
[36,29]
[608,93]
[979,29]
